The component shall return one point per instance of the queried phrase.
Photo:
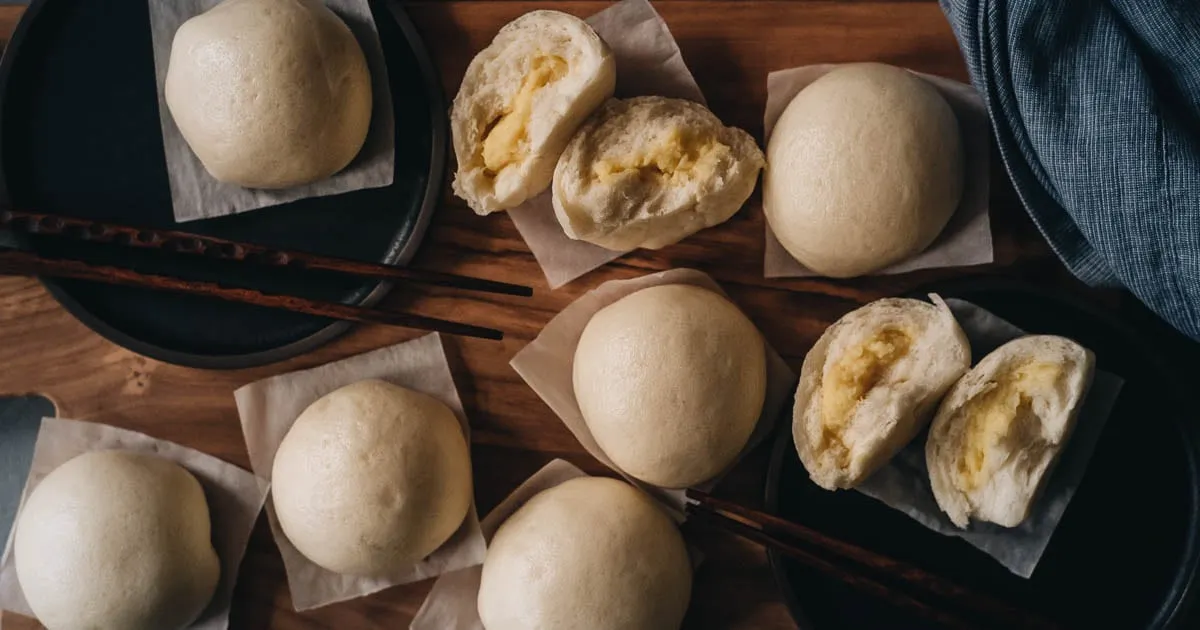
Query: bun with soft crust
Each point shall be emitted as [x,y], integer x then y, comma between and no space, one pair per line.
[650,171]
[1000,430]
[519,103]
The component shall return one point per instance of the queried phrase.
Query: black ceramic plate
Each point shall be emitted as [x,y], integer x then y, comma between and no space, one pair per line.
[79,136]
[1125,553]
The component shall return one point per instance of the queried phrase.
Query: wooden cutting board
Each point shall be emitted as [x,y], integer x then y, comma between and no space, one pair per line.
[730,46]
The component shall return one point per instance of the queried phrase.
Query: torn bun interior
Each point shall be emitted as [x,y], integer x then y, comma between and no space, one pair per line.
[521,100]
[871,383]
[1001,428]
[650,171]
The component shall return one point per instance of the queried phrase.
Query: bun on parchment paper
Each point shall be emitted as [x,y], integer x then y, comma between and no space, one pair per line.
[864,170]
[112,539]
[650,171]
[590,553]
[871,383]
[1001,428]
[671,381]
[269,93]
[520,101]
[371,479]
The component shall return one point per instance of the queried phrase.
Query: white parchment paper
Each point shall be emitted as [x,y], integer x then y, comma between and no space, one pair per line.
[546,365]
[269,407]
[234,496]
[967,239]
[196,195]
[904,483]
[451,603]
[648,64]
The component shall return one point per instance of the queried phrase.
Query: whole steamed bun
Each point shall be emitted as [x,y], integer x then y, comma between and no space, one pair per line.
[589,553]
[671,382]
[113,539]
[519,103]
[269,93]
[371,479]
[864,170]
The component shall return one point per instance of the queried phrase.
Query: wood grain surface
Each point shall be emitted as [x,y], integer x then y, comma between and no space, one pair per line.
[731,46]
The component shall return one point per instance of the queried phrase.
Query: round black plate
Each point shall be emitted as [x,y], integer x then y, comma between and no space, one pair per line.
[1125,553]
[79,136]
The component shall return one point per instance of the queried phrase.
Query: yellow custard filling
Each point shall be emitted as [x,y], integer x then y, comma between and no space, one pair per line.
[849,379]
[992,415]
[504,143]
[678,156]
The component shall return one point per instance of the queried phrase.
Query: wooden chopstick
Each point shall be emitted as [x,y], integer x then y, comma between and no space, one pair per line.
[788,537]
[24,222]
[16,262]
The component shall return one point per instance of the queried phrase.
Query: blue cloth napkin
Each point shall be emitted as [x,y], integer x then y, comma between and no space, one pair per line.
[1096,110]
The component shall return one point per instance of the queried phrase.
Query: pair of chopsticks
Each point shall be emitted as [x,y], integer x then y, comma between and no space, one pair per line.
[866,571]
[25,263]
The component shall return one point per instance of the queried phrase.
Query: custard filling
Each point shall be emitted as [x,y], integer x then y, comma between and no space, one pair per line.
[993,417]
[504,144]
[677,156]
[847,382]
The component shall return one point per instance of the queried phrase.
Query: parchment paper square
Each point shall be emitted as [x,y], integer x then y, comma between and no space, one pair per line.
[903,484]
[234,496]
[546,365]
[648,64]
[269,407]
[197,195]
[967,239]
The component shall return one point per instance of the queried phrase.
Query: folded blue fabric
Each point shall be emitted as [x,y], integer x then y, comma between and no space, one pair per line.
[1096,109]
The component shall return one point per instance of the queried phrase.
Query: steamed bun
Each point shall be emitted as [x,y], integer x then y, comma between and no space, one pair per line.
[112,539]
[1000,429]
[864,170]
[650,171]
[371,479]
[591,553]
[671,382]
[871,383]
[520,100]
[269,93]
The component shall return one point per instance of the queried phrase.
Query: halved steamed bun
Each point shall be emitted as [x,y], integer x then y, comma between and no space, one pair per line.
[520,101]
[871,383]
[650,171]
[999,431]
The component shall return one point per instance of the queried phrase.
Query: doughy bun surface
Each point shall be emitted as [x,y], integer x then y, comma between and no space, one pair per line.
[671,382]
[589,554]
[519,103]
[112,539]
[371,479]
[650,171]
[269,93]
[864,170]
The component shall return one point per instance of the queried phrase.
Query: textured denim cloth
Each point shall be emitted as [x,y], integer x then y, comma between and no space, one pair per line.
[1096,108]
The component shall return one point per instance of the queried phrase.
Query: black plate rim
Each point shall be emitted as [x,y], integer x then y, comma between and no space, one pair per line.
[1183,588]
[396,255]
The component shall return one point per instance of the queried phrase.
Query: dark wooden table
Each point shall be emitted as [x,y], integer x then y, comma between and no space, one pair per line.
[731,46]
